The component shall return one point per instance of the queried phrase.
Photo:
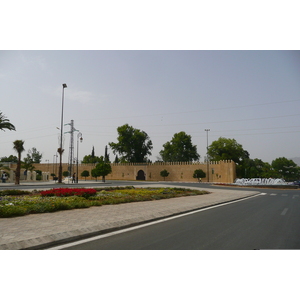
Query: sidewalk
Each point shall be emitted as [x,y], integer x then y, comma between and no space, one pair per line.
[44,230]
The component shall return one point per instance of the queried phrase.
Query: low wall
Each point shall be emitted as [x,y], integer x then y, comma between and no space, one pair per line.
[27,177]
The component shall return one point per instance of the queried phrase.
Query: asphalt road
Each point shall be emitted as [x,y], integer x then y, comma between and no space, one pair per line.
[269,221]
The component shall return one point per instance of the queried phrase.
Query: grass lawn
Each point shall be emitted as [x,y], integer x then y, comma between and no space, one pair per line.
[18,203]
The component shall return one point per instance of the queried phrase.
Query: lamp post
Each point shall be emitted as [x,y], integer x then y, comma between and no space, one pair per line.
[47,161]
[60,149]
[79,137]
[207,162]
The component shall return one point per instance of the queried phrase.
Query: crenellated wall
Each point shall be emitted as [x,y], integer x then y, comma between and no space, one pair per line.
[221,171]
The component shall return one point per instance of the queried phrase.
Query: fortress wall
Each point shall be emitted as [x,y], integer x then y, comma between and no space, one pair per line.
[221,171]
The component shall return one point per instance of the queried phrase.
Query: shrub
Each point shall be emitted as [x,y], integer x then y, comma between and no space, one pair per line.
[85,174]
[164,174]
[14,193]
[38,172]
[199,174]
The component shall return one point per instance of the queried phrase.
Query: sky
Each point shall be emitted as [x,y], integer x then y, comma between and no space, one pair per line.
[250,96]
[168,81]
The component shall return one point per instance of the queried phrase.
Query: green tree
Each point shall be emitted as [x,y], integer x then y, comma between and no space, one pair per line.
[102,169]
[164,173]
[268,171]
[39,174]
[180,148]
[65,173]
[227,149]
[253,168]
[199,174]
[85,174]
[116,160]
[5,123]
[106,156]
[34,155]
[133,144]
[11,158]
[19,147]
[89,159]
[285,168]
[95,173]
[27,164]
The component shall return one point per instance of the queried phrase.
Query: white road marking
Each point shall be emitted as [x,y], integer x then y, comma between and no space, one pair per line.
[284,195]
[273,194]
[284,211]
[144,225]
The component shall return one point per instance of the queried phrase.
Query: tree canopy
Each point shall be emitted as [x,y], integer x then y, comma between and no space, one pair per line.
[133,144]
[34,155]
[19,147]
[5,123]
[286,168]
[92,158]
[180,148]
[103,168]
[11,158]
[164,173]
[88,159]
[227,149]
[199,173]
[85,174]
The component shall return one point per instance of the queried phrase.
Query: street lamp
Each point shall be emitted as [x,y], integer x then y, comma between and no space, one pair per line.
[47,161]
[79,137]
[60,149]
[207,162]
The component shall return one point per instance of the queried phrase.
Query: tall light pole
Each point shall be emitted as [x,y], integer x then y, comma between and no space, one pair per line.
[47,161]
[79,137]
[207,162]
[60,149]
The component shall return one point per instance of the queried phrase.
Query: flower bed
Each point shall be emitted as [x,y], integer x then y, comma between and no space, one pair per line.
[67,192]
[63,199]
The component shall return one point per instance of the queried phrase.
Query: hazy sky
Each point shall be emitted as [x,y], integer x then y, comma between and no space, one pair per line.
[251,96]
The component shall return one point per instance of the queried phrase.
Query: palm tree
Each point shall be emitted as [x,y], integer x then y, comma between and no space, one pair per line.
[5,124]
[19,147]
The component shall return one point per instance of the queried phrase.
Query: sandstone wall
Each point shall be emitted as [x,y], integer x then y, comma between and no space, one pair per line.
[222,171]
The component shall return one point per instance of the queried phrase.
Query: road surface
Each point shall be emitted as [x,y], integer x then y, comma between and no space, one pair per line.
[268,221]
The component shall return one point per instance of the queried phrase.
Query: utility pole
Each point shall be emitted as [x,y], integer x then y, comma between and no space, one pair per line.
[207,160]
[71,149]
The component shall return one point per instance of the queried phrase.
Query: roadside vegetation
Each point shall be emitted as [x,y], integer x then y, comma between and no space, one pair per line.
[19,203]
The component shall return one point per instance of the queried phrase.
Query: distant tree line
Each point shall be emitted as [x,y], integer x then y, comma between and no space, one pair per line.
[135,146]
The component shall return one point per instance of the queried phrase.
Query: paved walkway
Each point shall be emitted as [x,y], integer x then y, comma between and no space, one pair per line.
[42,230]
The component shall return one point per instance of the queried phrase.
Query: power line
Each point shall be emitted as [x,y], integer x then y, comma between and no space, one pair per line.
[198,111]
